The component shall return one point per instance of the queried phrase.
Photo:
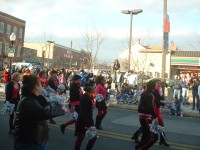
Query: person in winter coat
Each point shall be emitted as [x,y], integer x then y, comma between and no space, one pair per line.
[85,121]
[75,94]
[31,130]
[147,113]
[43,79]
[12,95]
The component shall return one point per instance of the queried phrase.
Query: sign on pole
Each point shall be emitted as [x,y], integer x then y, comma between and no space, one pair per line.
[166,42]
[11,54]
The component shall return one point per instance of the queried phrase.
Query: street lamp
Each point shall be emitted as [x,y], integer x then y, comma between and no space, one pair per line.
[11,50]
[49,52]
[131,12]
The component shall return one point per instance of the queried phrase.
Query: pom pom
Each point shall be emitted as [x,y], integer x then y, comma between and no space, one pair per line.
[8,108]
[99,98]
[91,132]
[61,88]
[156,128]
[74,115]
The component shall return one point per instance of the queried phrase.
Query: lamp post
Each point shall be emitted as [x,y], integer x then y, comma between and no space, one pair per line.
[131,12]
[49,52]
[11,50]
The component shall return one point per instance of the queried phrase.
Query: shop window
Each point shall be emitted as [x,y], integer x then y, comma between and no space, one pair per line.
[1,27]
[20,33]
[8,32]
[15,30]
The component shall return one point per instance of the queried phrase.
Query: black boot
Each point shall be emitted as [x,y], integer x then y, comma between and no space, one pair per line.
[98,122]
[163,140]
[136,135]
[62,128]
[51,121]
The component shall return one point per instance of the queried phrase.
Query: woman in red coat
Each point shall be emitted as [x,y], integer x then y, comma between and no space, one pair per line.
[101,106]
[158,93]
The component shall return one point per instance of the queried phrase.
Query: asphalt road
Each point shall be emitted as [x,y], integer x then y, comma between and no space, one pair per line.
[118,127]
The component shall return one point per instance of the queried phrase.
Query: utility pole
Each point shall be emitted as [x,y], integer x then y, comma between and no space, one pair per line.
[163,52]
[70,61]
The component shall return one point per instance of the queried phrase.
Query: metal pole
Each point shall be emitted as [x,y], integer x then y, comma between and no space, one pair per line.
[10,58]
[163,53]
[130,38]
[70,61]
[48,55]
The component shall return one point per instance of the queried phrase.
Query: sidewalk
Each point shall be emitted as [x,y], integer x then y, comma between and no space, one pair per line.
[187,109]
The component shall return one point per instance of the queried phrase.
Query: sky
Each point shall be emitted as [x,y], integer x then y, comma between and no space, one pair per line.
[64,21]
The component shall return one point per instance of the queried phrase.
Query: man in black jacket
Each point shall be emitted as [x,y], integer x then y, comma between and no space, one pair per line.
[147,113]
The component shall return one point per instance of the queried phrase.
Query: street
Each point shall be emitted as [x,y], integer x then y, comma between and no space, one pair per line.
[118,126]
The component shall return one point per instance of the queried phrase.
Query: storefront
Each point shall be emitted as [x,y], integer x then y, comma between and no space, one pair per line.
[185,62]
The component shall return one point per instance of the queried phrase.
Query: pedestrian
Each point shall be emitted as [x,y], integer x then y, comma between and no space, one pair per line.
[6,77]
[75,94]
[116,66]
[85,121]
[101,106]
[147,113]
[31,129]
[119,80]
[12,95]
[43,79]
[195,95]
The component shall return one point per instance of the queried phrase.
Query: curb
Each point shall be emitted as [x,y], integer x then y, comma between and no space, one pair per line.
[135,108]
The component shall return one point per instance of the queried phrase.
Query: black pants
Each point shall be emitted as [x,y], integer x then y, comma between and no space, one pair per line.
[148,138]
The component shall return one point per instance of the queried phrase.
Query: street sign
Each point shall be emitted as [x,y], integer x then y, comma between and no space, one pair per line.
[11,54]
[166,42]
[11,50]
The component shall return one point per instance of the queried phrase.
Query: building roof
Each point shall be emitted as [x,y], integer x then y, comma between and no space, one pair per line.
[159,48]
[186,53]
[2,14]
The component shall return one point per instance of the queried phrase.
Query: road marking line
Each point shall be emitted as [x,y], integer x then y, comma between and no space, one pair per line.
[127,138]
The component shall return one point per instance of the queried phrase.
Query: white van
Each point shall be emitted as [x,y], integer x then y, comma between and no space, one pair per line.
[20,65]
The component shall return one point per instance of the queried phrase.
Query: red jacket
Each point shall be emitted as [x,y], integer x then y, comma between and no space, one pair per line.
[6,77]
[101,90]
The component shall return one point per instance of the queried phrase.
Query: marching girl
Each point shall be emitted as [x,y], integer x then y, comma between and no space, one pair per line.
[158,93]
[101,106]
[85,121]
[75,94]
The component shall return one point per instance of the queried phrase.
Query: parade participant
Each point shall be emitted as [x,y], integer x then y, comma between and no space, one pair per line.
[75,94]
[52,80]
[101,106]
[158,93]
[53,83]
[43,79]
[12,95]
[31,130]
[85,121]
[147,112]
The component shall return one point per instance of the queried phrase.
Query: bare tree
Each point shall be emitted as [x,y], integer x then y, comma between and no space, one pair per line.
[93,40]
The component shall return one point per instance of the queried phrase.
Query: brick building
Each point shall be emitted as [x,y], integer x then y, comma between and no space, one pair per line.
[8,25]
[51,55]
